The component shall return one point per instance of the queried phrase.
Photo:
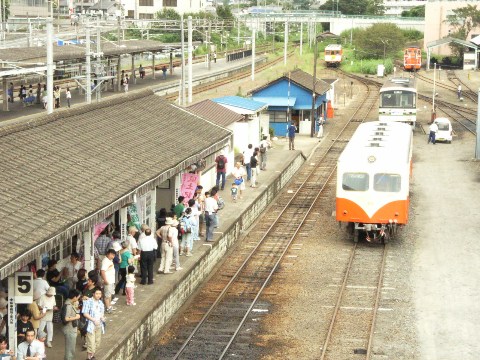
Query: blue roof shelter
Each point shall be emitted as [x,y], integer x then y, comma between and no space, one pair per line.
[290,97]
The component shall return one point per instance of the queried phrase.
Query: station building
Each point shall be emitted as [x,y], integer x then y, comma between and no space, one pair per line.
[117,161]
[290,98]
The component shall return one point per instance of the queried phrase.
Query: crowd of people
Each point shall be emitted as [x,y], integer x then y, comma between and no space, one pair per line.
[38,95]
[80,300]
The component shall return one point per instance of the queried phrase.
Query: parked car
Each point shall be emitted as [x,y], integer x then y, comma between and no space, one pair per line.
[445,132]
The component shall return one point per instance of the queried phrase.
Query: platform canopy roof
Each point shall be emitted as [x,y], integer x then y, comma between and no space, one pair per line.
[62,173]
[447,40]
[73,52]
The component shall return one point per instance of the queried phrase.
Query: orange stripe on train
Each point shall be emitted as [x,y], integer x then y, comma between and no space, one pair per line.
[354,213]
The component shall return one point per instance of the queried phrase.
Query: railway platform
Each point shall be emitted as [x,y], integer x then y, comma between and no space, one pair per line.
[200,70]
[130,330]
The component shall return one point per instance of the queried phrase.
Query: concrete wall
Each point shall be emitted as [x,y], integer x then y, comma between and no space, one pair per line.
[149,327]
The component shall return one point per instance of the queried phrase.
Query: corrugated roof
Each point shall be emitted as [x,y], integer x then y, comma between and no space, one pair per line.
[276,101]
[216,113]
[72,52]
[62,173]
[240,102]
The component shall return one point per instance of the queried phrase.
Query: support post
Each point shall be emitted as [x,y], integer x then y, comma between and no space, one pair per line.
[312,116]
[49,65]
[190,60]
[5,94]
[253,54]
[285,44]
[88,67]
[88,249]
[182,32]
[477,147]
[301,38]
[132,71]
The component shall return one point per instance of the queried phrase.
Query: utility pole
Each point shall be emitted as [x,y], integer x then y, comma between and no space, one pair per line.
[253,54]
[301,38]
[477,147]
[88,67]
[50,63]
[190,68]
[182,32]
[285,44]
[208,44]
[312,116]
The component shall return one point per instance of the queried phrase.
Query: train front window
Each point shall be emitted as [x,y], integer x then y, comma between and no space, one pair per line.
[397,99]
[387,182]
[355,182]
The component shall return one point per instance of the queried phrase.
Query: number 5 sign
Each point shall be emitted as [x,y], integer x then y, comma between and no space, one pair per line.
[23,288]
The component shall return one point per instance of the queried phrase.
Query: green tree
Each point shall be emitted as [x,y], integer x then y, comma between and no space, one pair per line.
[463,20]
[167,14]
[357,7]
[224,12]
[5,3]
[417,11]
[378,40]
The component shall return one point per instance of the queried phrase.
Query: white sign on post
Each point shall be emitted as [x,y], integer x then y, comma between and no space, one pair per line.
[12,314]
[23,287]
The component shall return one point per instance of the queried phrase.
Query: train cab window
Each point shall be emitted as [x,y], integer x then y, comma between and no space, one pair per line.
[387,182]
[397,99]
[355,182]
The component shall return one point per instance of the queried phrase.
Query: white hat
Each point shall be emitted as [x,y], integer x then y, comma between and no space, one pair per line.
[116,246]
[168,221]
[222,152]
[52,291]
[41,334]
[174,223]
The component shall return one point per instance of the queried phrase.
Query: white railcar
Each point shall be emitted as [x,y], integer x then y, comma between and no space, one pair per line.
[398,101]
[373,177]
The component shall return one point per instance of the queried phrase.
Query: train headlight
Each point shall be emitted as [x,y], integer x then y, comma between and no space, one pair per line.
[345,212]
[396,214]
[371,159]
[390,221]
[395,221]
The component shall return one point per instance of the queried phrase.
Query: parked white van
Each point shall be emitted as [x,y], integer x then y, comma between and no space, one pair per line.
[444,130]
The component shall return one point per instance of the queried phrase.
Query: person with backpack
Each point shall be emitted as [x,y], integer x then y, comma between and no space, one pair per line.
[263,148]
[70,318]
[221,161]
[186,246]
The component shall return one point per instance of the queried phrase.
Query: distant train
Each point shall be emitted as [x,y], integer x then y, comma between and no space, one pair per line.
[398,101]
[333,55]
[412,58]
[373,179]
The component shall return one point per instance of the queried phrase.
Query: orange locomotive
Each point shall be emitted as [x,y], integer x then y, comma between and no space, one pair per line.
[373,178]
[412,58]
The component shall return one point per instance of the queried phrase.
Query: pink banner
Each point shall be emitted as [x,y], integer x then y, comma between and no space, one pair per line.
[98,228]
[189,184]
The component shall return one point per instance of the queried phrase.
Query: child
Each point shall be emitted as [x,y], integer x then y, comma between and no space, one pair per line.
[130,286]
[23,324]
[234,192]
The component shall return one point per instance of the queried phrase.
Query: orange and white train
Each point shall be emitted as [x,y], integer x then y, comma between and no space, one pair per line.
[412,58]
[333,55]
[373,180]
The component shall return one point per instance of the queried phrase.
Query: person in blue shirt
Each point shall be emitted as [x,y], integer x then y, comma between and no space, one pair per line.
[291,136]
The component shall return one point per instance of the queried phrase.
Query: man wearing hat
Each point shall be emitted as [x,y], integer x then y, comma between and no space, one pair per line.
[48,305]
[221,162]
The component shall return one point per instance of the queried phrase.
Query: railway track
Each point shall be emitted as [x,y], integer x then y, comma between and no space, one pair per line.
[217,323]
[223,81]
[352,327]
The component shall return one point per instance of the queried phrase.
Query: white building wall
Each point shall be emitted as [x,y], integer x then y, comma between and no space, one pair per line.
[393,7]
[182,6]
[435,26]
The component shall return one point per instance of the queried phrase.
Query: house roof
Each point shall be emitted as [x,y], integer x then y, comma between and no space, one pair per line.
[216,113]
[301,78]
[240,102]
[62,173]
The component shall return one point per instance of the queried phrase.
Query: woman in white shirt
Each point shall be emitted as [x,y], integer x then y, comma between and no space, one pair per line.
[239,174]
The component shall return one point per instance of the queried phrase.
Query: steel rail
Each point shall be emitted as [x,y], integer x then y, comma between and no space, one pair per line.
[377,302]
[254,250]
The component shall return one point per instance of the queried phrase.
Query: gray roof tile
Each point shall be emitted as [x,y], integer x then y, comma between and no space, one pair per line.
[58,169]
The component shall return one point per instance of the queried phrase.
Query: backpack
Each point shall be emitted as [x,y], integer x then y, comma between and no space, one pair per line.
[220,203]
[185,226]
[63,314]
[221,163]
[263,149]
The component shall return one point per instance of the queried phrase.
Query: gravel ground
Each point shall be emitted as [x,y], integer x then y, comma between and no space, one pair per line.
[429,307]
